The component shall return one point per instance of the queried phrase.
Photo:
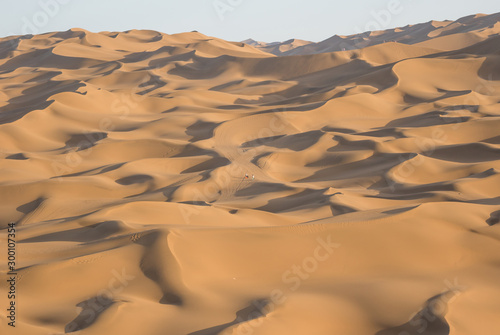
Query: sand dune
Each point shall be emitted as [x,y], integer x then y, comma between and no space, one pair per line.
[441,35]
[183,184]
[278,48]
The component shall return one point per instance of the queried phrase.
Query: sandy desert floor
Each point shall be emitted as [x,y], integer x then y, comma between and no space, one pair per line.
[183,184]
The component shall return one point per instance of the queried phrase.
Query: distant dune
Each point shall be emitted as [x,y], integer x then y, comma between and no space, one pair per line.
[441,35]
[183,184]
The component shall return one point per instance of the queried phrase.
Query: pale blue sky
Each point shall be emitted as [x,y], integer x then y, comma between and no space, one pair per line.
[234,20]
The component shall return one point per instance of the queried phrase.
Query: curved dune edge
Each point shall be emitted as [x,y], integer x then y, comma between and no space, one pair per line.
[182,184]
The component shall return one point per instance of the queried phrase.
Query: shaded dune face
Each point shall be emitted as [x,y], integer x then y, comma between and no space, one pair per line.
[182,184]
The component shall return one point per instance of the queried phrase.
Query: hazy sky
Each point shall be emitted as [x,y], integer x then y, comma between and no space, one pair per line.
[235,20]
